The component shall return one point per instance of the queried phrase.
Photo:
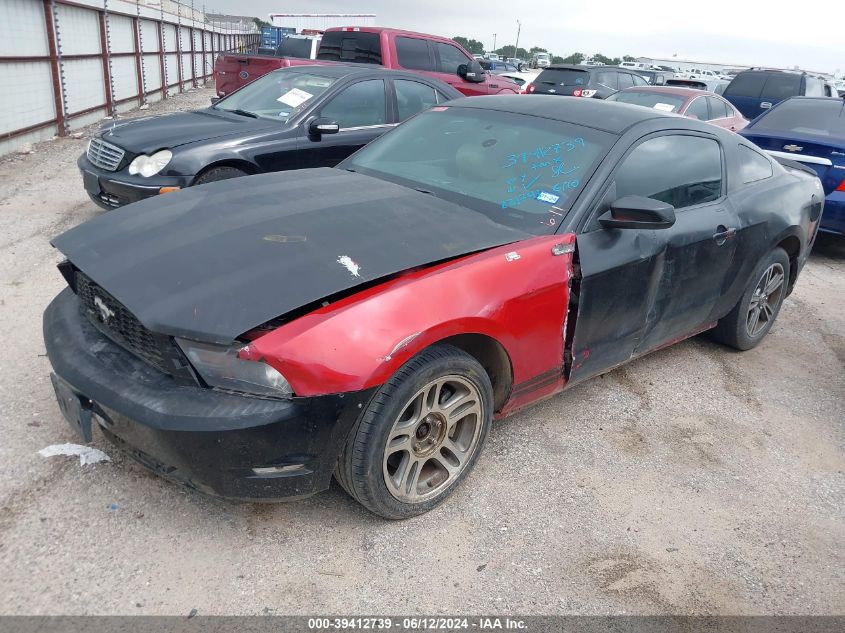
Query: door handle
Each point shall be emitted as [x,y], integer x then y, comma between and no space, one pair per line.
[723,234]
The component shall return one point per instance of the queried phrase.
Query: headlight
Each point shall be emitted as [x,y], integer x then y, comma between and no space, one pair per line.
[150,165]
[220,367]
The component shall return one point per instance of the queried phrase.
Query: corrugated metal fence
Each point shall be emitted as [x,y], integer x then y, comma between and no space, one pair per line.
[67,63]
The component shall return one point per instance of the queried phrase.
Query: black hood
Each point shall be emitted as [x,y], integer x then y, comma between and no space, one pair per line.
[212,262]
[149,134]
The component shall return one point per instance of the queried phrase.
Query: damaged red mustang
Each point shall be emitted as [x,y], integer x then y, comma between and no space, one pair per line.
[253,337]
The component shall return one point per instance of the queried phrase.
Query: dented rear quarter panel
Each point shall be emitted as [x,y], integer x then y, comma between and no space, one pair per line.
[360,341]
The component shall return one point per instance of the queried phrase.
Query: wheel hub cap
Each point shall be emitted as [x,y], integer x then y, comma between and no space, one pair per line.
[429,434]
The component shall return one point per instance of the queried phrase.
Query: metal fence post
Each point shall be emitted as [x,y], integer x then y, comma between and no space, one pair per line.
[139,57]
[162,45]
[105,53]
[179,43]
[56,67]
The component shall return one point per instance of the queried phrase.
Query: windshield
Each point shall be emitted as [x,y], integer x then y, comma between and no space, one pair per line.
[542,55]
[650,99]
[518,170]
[279,95]
[825,117]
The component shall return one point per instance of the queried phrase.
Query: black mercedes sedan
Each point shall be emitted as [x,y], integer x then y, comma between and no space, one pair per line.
[293,118]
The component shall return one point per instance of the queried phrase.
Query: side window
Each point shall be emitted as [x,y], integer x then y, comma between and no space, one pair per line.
[450,58]
[780,86]
[413,53]
[718,108]
[698,109]
[639,81]
[815,87]
[679,170]
[753,166]
[413,97]
[607,78]
[359,105]
[625,80]
[746,85]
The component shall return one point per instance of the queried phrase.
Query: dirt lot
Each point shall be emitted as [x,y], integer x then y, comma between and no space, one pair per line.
[695,480]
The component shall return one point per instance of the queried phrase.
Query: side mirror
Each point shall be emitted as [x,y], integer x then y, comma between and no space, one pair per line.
[321,126]
[637,212]
[472,72]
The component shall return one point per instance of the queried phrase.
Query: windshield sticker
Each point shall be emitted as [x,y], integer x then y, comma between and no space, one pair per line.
[666,107]
[294,97]
[547,197]
[438,108]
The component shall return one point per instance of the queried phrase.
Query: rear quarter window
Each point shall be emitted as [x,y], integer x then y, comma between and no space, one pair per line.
[753,166]
[746,85]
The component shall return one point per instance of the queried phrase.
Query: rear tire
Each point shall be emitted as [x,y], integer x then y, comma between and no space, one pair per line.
[420,435]
[753,316]
[219,173]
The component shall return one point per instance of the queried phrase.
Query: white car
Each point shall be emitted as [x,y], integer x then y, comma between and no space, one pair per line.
[541,60]
[520,79]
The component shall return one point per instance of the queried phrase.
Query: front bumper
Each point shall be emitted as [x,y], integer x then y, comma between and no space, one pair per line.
[115,189]
[209,440]
[833,216]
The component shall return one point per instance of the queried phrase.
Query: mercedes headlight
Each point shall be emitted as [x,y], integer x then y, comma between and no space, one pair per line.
[148,166]
[221,367]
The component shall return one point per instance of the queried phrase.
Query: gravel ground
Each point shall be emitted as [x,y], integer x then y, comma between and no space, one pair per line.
[694,480]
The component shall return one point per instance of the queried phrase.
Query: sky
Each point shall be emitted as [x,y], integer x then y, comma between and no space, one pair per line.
[773,33]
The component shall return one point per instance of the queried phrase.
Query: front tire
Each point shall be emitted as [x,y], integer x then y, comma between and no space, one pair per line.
[753,316]
[219,173]
[420,435]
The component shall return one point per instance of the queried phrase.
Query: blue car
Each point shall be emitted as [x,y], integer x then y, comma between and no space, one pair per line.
[811,131]
[754,91]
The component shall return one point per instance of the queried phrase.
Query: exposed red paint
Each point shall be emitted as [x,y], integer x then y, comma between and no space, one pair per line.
[352,344]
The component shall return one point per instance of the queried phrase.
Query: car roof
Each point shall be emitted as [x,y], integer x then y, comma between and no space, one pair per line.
[594,113]
[349,69]
[689,93]
[568,67]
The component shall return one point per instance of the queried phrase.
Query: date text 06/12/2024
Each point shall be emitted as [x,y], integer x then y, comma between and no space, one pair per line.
[416,623]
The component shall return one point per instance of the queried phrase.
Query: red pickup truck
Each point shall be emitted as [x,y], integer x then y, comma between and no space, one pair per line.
[430,55]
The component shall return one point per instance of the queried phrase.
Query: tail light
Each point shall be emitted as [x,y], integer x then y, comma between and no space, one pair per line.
[841,186]
[584,93]
[529,89]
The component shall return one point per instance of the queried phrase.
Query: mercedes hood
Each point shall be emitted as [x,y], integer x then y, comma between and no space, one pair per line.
[150,134]
[212,262]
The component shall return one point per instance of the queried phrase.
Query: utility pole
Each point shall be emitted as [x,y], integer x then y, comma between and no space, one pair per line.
[494,42]
[518,29]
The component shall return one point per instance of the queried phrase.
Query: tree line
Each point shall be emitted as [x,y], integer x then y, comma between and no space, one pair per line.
[477,48]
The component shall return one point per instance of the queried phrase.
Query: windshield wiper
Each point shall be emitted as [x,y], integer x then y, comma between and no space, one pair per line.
[242,112]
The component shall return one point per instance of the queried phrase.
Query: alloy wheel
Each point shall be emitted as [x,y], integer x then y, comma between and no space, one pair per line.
[765,300]
[433,439]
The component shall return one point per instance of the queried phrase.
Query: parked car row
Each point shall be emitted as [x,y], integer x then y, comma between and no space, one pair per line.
[255,337]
